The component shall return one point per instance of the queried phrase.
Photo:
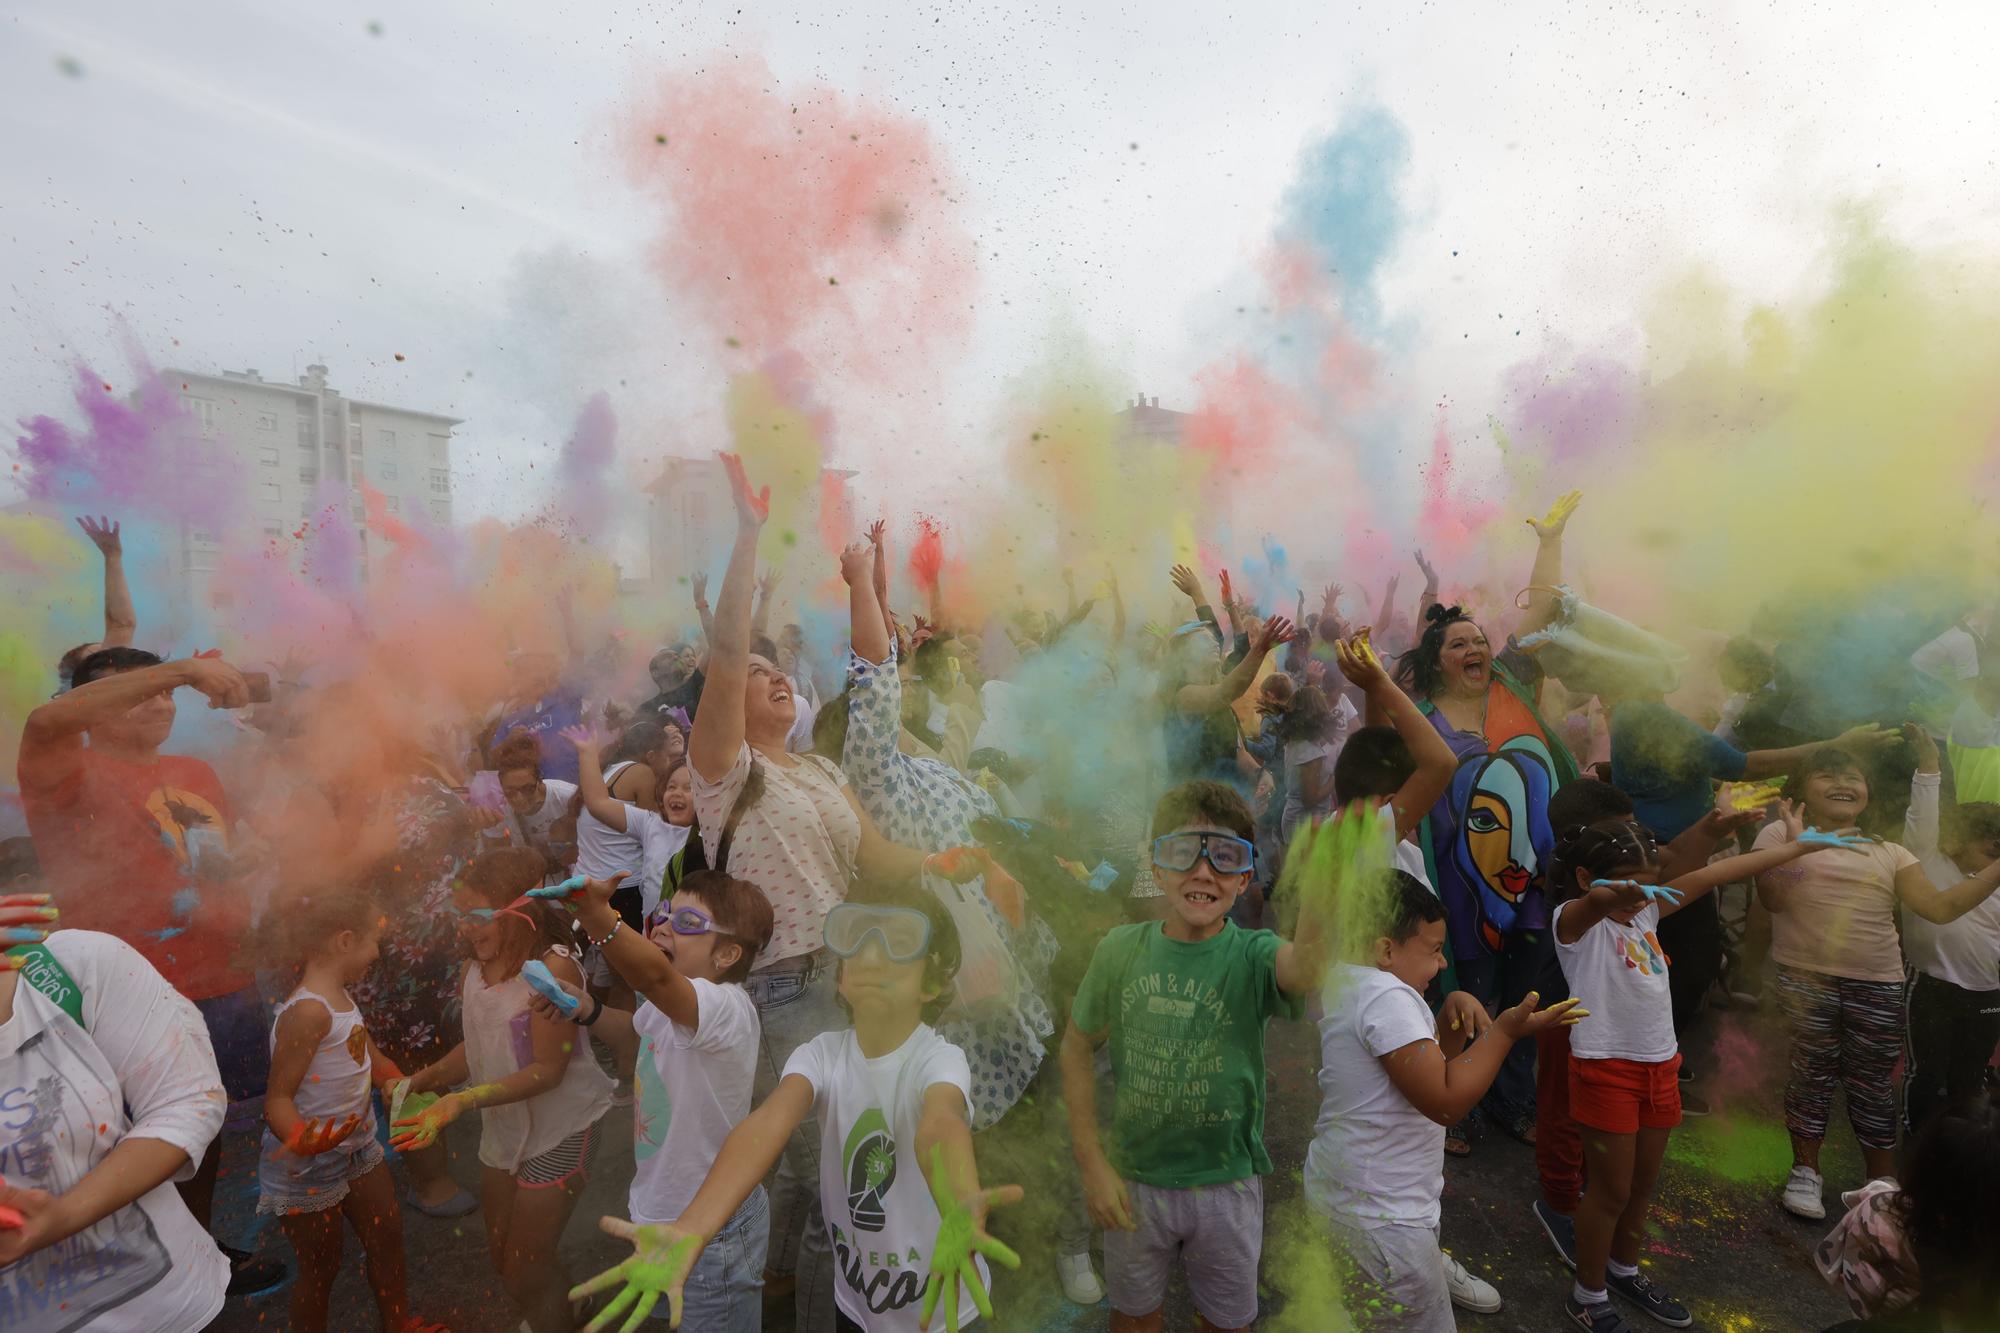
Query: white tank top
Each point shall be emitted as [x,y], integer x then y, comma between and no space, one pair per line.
[336,1084]
[497,1043]
[602,851]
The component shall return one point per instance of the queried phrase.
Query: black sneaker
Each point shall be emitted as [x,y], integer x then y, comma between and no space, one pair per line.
[1640,1290]
[1561,1231]
[251,1276]
[1693,1103]
[1598,1318]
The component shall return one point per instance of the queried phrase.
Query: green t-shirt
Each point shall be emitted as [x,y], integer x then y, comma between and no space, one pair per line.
[1187,1050]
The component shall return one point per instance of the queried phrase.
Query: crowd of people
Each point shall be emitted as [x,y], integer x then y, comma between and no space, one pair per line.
[962,954]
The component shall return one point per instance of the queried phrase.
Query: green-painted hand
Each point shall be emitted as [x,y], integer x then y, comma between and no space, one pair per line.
[662,1258]
[421,1129]
[962,1235]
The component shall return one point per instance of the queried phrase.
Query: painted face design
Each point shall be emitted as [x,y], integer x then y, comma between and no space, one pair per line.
[1500,803]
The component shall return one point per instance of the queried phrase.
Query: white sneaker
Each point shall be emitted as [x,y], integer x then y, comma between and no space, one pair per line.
[1804,1194]
[1469,1292]
[1079,1281]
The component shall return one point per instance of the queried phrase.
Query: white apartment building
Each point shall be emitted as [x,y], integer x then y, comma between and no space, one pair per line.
[289,439]
[692,521]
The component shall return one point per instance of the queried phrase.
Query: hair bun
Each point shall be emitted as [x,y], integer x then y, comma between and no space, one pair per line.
[1437,613]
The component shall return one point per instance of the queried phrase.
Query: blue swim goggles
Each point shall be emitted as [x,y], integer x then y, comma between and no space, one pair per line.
[1226,853]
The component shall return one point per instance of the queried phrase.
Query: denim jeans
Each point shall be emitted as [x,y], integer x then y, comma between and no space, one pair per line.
[793,1007]
[725,1292]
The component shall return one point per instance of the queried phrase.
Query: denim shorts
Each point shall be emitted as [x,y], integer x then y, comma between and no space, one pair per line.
[725,1292]
[288,1183]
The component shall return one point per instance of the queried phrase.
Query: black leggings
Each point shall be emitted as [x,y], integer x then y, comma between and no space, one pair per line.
[1949,1036]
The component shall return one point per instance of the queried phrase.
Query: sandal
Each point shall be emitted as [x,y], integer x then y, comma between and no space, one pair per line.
[1521,1126]
[1457,1143]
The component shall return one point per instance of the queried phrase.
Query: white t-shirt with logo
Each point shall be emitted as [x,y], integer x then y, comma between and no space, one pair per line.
[1375,1160]
[874,1192]
[1619,973]
[692,1088]
[659,843]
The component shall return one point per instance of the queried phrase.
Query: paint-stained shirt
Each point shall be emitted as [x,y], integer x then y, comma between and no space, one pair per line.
[1186,1022]
[140,851]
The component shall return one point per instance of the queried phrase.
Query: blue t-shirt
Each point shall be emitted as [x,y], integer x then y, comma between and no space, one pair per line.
[550,716]
[1667,765]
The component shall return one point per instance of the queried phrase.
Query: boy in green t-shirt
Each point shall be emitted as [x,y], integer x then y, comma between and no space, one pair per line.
[1184,1002]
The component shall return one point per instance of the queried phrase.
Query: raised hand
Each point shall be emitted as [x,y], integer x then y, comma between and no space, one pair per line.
[1866,739]
[769,583]
[1631,893]
[1747,797]
[310,1137]
[1528,1017]
[1184,579]
[222,683]
[1550,525]
[662,1257]
[25,918]
[699,582]
[1430,570]
[876,531]
[1228,595]
[752,507]
[104,535]
[1357,661]
[1270,634]
[855,565]
[420,1129]
[586,737]
[961,1236]
[1922,746]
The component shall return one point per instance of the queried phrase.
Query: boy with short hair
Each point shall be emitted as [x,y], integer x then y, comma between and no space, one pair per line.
[1392,1077]
[1184,1002]
[899,1185]
[695,1034]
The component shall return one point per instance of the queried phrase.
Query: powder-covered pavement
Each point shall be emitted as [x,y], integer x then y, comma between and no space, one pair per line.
[1720,1242]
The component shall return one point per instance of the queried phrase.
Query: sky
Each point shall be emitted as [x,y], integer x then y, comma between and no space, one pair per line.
[269,185]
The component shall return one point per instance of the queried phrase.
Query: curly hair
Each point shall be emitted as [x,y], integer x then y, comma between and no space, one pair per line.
[1420,671]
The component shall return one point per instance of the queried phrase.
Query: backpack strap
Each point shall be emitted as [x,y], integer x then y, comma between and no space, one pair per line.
[753,787]
[40,969]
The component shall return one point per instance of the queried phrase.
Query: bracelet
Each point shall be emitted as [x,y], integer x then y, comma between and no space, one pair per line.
[596,1013]
[615,924]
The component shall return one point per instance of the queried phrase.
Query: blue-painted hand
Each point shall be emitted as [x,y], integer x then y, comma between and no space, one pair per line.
[568,888]
[1821,838]
[543,982]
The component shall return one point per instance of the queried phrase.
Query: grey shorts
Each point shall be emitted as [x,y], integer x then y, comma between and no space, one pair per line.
[1395,1278]
[1215,1231]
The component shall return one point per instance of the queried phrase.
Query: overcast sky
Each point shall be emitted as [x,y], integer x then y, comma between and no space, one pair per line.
[265,185]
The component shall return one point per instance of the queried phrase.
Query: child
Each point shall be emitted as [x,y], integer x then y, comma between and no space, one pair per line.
[1405,765]
[660,832]
[538,1089]
[892,1102]
[1954,990]
[1389,1084]
[695,1033]
[1624,1093]
[320,1153]
[1840,970]
[1184,1002]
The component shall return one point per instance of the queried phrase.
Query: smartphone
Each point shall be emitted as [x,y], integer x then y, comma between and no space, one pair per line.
[260,686]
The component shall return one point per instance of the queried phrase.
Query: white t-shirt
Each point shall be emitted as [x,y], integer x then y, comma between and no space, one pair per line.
[1374,1160]
[1619,972]
[1965,952]
[148,1267]
[603,851]
[659,842]
[873,1191]
[693,1087]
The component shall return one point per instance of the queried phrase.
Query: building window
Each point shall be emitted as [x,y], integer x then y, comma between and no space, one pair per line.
[267,454]
[201,562]
[305,433]
[385,439]
[354,438]
[265,421]
[386,470]
[269,493]
[309,475]
[202,537]
[440,445]
[440,481]
[204,412]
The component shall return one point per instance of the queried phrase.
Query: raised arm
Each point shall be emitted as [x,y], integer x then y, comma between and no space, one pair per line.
[760,619]
[1207,698]
[1548,569]
[1444,1090]
[1189,583]
[51,739]
[1117,610]
[597,798]
[1436,764]
[1920,823]
[718,727]
[1387,611]
[1430,595]
[866,623]
[699,583]
[644,967]
[121,621]
[878,538]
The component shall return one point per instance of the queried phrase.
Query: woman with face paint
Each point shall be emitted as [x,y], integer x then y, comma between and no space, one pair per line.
[1487,842]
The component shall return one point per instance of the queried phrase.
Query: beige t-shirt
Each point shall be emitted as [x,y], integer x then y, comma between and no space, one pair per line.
[1840,910]
[798,843]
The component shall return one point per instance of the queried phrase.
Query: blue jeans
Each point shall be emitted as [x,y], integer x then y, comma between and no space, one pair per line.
[725,1292]
[794,1005]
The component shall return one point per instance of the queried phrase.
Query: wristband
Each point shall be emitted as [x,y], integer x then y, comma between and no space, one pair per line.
[596,1013]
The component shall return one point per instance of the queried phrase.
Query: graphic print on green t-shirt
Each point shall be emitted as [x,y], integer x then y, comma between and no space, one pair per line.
[868,1163]
[652,1109]
[1186,1023]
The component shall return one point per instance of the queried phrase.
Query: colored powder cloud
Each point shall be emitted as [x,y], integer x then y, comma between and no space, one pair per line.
[1345,203]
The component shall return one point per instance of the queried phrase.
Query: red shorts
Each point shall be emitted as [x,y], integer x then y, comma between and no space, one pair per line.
[1624,1096]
